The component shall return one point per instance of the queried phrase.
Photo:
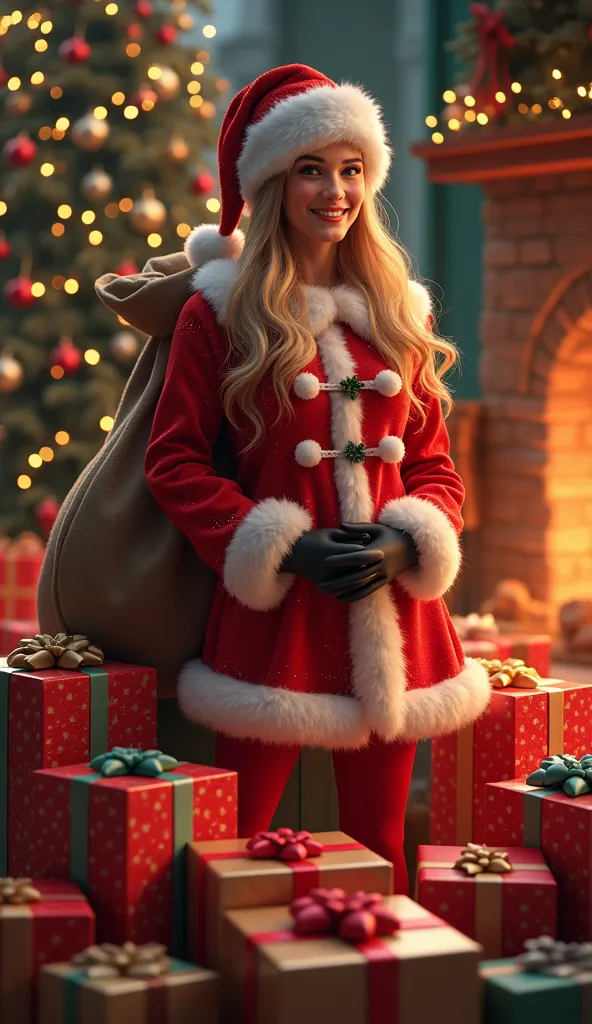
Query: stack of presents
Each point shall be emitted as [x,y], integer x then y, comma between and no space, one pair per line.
[127,898]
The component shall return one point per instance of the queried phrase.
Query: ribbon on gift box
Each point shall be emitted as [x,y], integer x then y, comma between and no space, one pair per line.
[182,834]
[21,556]
[99,735]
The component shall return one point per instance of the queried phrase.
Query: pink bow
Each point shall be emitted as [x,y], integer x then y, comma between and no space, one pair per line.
[285,844]
[354,916]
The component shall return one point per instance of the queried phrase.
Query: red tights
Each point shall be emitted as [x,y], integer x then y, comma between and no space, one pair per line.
[372,784]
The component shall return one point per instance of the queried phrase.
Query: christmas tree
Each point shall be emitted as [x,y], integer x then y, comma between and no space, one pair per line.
[524,60]
[107,134]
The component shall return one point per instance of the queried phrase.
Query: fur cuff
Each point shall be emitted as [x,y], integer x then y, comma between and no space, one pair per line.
[421,300]
[448,706]
[205,243]
[270,714]
[258,547]
[436,541]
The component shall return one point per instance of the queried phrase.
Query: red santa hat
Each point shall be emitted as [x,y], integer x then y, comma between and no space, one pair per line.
[268,124]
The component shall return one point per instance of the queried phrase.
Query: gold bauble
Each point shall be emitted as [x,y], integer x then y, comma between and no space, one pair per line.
[11,374]
[96,185]
[185,21]
[177,149]
[90,132]
[125,346]
[167,85]
[147,214]
[17,103]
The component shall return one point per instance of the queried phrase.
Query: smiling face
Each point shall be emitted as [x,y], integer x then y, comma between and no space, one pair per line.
[323,193]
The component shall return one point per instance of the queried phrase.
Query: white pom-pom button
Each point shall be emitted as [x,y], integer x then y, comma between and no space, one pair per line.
[308,453]
[388,383]
[391,449]
[306,385]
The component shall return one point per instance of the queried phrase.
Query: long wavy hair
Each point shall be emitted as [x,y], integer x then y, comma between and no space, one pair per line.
[268,336]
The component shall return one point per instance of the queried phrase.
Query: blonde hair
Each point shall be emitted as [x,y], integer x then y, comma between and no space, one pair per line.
[267,336]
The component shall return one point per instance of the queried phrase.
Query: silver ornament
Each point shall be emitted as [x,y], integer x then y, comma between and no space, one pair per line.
[89,132]
[11,374]
[147,214]
[124,346]
[97,184]
[167,85]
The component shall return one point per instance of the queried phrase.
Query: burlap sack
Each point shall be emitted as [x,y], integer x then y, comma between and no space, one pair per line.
[116,569]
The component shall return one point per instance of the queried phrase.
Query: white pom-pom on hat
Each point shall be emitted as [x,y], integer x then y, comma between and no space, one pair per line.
[308,454]
[388,383]
[205,243]
[391,449]
[307,385]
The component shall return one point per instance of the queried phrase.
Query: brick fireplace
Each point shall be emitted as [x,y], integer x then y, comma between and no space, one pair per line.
[533,456]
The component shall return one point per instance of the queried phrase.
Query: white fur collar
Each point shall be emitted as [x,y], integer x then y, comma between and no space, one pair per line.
[344,304]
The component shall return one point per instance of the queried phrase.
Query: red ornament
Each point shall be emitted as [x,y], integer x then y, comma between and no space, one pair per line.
[166,34]
[127,268]
[203,184]
[5,248]
[143,8]
[67,356]
[4,76]
[144,95]
[75,50]
[18,292]
[134,30]
[46,513]
[20,151]
[589,31]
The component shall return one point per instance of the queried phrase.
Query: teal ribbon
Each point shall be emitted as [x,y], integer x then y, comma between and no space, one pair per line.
[532,815]
[99,709]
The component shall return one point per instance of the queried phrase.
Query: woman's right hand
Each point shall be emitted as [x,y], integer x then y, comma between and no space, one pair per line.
[307,557]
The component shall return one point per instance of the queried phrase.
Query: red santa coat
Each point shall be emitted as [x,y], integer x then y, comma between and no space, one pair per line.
[283,663]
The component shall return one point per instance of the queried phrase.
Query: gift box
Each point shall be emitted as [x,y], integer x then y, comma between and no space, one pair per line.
[59,925]
[123,840]
[222,876]
[497,910]
[518,729]
[13,630]
[270,973]
[561,827]
[533,648]
[186,993]
[55,717]
[20,564]
[513,996]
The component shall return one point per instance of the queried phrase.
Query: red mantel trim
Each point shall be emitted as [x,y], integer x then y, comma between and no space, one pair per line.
[494,153]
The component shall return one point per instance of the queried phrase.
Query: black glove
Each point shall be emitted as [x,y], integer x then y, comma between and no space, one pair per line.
[310,552]
[354,575]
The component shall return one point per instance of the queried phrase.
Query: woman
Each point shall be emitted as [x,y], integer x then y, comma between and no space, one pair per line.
[311,348]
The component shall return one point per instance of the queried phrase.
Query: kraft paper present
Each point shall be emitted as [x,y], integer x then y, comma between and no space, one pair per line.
[221,877]
[269,974]
[496,910]
[187,995]
[512,996]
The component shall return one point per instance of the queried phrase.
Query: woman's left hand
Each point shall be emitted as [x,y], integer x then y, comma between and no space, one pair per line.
[351,578]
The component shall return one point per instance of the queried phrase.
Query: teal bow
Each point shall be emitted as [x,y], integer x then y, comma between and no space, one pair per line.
[563,771]
[131,761]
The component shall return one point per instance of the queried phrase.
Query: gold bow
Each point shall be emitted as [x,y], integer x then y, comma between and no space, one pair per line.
[511,672]
[480,860]
[60,651]
[18,890]
[127,961]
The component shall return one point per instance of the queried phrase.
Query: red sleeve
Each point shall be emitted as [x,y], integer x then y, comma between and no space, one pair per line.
[245,542]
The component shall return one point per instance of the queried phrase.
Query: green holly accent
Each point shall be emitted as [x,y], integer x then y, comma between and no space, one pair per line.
[565,772]
[351,386]
[354,452]
[132,761]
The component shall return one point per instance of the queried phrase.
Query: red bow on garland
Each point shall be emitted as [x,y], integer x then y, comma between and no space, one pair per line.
[285,844]
[492,73]
[355,916]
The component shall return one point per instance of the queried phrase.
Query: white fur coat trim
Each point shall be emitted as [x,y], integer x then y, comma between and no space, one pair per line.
[344,304]
[257,549]
[311,120]
[275,715]
[436,541]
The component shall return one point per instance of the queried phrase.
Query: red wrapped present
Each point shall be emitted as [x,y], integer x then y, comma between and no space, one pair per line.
[561,827]
[53,922]
[411,976]
[479,648]
[224,876]
[54,717]
[519,728]
[12,631]
[533,648]
[123,839]
[20,564]
[498,908]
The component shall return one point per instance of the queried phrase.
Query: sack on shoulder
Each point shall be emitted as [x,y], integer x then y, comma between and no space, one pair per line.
[116,569]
